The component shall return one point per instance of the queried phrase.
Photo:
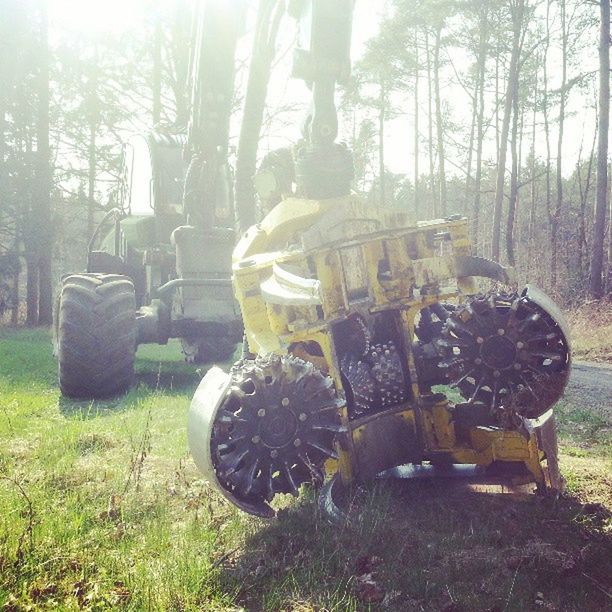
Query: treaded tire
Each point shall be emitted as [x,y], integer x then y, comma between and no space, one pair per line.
[95,335]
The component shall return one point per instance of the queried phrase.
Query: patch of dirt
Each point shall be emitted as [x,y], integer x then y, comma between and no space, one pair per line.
[590,384]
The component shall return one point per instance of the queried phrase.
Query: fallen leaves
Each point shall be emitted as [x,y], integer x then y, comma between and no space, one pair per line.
[542,555]
[368,589]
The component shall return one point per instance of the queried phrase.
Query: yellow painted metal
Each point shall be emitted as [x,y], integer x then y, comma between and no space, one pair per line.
[370,260]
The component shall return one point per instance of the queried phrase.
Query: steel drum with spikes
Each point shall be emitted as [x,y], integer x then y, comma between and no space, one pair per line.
[507,352]
[274,427]
[375,380]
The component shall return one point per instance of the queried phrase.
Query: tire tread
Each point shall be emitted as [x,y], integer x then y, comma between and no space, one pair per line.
[95,335]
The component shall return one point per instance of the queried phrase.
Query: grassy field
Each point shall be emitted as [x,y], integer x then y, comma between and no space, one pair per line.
[101,507]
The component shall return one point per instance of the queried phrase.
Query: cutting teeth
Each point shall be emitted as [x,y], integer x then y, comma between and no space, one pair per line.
[230,463]
[514,345]
[245,481]
[330,427]
[332,454]
[377,381]
[289,478]
[260,432]
[227,417]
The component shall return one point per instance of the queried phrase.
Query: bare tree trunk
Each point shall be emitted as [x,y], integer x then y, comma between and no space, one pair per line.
[468,174]
[30,226]
[32,293]
[517,22]
[497,108]
[584,197]
[91,178]
[521,133]
[432,179]
[532,175]
[25,233]
[597,250]
[16,289]
[178,58]
[264,48]
[93,112]
[31,237]
[513,181]
[157,71]
[608,274]
[42,189]
[556,218]
[416,125]
[381,141]
[3,186]
[439,125]
[482,62]
[548,197]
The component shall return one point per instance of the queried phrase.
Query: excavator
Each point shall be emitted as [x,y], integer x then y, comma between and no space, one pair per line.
[159,266]
[374,344]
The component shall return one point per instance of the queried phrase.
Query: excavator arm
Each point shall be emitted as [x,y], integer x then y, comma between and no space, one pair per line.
[207,197]
[323,59]
[321,167]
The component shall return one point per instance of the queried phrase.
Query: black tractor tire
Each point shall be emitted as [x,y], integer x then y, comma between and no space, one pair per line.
[95,335]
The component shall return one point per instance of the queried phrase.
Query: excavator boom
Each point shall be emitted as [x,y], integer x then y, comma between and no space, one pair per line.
[207,197]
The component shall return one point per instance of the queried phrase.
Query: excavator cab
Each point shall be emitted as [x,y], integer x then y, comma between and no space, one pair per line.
[154,174]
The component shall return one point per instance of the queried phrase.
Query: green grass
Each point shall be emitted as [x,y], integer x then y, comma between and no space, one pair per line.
[101,507]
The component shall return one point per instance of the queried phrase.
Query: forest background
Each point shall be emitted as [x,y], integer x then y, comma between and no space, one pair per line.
[496,110]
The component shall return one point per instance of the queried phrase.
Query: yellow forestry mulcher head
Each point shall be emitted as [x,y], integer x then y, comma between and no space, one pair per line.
[354,317]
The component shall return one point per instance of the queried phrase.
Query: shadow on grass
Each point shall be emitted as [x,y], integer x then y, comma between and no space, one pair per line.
[90,409]
[426,545]
[171,374]
[170,379]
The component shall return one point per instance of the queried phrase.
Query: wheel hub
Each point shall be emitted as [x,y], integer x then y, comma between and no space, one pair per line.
[279,428]
[275,429]
[506,352]
[498,352]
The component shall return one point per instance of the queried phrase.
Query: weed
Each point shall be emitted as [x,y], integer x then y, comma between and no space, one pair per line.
[115,516]
[27,535]
[139,456]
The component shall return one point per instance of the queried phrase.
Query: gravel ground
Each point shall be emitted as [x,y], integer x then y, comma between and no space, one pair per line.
[592,383]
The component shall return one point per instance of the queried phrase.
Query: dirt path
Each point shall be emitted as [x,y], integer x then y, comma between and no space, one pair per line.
[592,383]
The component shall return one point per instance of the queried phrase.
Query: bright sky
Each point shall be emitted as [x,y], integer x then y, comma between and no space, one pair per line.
[92,17]
[95,16]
